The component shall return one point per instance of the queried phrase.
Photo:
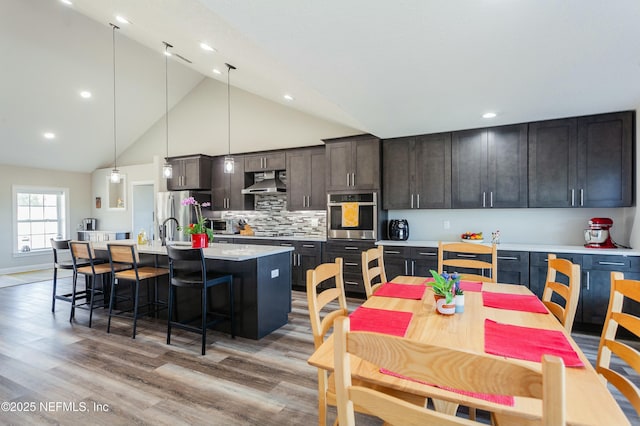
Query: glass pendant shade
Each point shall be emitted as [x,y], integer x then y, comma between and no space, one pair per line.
[115,176]
[167,171]
[229,164]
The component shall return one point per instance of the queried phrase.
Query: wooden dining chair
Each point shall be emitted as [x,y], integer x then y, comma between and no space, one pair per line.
[373,275]
[555,292]
[611,345]
[440,366]
[322,316]
[463,257]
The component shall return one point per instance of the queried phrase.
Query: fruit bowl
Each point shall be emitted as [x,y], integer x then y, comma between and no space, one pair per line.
[472,237]
[464,240]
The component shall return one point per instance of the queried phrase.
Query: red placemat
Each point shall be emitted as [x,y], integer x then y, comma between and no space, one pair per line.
[402,291]
[498,399]
[513,302]
[471,285]
[380,321]
[527,343]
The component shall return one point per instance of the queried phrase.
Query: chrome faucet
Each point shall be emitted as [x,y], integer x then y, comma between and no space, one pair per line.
[163,229]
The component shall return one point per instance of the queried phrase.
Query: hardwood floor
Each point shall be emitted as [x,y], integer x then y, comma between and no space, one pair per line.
[56,372]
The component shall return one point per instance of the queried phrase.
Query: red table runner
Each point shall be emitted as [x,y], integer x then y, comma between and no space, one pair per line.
[471,285]
[513,302]
[527,343]
[402,291]
[380,321]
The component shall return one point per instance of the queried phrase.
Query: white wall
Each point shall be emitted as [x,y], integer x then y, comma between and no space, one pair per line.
[198,125]
[79,185]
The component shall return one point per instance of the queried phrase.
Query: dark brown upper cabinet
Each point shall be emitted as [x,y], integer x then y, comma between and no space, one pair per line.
[226,187]
[353,163]
[582,162]
[489,167]
[265,161]
[417,172]
[306,179]
[190,172]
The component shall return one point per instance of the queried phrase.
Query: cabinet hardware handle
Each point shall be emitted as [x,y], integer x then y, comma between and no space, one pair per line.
[293,259]
[411,200]
[353,179]
[473,256]
[573,193]
[286,244]
[427,254]
[418,198]
[350,248]
[351,283]
[350,264]
[484,199]
[581,197]
[611,263]
[309,246]
[587,280]
[299,260]
[491,198]
[392,252]
[265,162]
[406,267]
[413,268]
[507,258]
[348,179]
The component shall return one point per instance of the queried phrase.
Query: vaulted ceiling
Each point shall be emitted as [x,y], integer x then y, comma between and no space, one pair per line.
[388,68]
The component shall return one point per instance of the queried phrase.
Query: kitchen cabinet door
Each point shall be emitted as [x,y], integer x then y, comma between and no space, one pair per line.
[396,261]
[351,253]
[469,169]
[423,260]
[265,161]
[513,267]
[507,166]
[605,160]
[190,173]
[226,187]
[353,163]
[397,184]
[308,255]
[431,169]
[306,179]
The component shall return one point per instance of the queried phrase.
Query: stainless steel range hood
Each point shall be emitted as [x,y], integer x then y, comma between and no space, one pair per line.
[266,183]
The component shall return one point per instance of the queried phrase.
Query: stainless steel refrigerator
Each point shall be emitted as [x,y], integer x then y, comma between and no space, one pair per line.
[168,205]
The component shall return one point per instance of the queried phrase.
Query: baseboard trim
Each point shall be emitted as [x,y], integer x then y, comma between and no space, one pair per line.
[25,268]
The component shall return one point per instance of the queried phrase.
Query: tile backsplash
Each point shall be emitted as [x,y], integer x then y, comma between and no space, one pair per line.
[271,218]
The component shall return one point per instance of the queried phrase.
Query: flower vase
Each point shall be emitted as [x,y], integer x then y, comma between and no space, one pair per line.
[443,308]
[199,241]
[459,300]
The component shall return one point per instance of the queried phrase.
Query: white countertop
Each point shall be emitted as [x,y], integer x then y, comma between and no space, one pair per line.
[233,252]
[276,238]
[545,248]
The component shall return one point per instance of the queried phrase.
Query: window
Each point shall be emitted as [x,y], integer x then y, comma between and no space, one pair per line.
[40,214]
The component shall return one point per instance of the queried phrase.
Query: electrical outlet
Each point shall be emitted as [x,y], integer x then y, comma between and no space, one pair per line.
[275,273]
[446,224]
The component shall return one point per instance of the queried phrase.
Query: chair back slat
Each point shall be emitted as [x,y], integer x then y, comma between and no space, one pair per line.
[123,253]
[464,258]
[373,275]
[324,274]
[569,292]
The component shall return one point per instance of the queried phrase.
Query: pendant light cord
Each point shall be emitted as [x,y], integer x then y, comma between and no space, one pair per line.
[115,27]
[229,68]
[166,91]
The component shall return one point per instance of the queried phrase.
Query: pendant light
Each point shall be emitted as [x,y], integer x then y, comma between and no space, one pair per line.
[167,170]
[229,163]
[115,173]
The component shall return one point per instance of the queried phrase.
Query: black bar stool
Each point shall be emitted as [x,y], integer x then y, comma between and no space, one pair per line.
[59,248]
[120,254]
[188,270]
[81,253]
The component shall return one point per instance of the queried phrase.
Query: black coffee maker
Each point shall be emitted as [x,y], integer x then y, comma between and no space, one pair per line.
[398,229]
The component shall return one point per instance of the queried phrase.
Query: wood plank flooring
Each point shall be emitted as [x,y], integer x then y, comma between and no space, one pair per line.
[56,372]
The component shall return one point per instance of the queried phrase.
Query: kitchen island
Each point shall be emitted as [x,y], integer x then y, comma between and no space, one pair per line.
[261,280]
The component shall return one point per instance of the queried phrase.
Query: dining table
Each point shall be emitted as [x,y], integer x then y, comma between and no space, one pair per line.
[498,319]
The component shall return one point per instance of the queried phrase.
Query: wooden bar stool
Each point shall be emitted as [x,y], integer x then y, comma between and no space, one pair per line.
[119,255]
[81,254]
[188,270]
[59,248]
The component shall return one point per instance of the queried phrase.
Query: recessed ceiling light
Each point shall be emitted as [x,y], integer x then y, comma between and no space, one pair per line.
[217,71]
[67,2]
[489,115]
[288,97]
[122,19]
[205,46]
[85,94]
[49,135]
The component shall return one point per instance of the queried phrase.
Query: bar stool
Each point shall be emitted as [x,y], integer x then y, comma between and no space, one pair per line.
[60,247]
[120,254]
[188,270]
[81,253]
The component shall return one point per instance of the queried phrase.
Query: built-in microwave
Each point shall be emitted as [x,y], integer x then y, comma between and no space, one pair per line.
[225,226]
[352,216]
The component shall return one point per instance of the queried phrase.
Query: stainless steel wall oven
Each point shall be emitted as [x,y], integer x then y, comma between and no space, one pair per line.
[352,216]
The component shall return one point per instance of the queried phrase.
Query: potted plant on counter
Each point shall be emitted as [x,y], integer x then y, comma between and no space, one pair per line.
[201,235]
[443,287]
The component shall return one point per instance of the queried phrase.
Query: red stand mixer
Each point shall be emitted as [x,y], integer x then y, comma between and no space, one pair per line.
[597,234]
